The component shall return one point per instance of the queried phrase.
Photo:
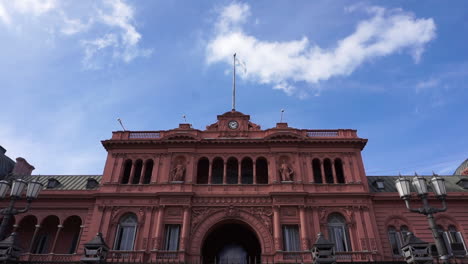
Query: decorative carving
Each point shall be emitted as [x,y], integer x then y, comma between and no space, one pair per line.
[232,211]
[265,215]
[178,171]
[141,211]
[198,214]
[323,214]
[305,244]
[289,200]
[277,244]
[286,171]
[349,212]
[175,200]
[156,242]
[232,200]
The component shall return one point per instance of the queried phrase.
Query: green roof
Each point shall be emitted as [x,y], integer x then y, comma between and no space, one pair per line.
[451,182]
[66,182]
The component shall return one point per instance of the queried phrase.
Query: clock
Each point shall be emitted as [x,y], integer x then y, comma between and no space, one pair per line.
[233,124]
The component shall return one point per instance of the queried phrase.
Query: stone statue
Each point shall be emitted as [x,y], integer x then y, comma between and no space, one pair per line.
[286,171]
[178,172]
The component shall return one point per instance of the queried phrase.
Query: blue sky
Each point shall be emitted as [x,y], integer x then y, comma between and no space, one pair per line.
[396,71]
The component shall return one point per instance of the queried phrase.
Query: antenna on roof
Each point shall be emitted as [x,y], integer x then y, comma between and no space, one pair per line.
[185,119]
[120,121]
[282,111]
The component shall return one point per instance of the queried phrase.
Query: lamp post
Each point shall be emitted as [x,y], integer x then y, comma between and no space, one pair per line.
[17,187]
[420,184]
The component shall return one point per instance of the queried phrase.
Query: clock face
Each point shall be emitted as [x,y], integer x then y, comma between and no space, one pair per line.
[233,124]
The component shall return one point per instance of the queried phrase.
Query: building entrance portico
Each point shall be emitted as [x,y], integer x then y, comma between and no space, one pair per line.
[231,242]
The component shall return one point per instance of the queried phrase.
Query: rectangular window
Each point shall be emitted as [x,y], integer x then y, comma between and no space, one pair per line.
[291,238]
[171,239]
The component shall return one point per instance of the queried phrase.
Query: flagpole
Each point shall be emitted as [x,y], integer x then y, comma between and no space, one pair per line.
[234,83]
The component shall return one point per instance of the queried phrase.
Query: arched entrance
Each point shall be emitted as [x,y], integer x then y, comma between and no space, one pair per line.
[231,242]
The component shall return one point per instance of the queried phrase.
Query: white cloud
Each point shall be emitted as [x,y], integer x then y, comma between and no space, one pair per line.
[34,7]
[282,63]
[73,26]
[125,47]
[4,16]
[427,84]
[106,29]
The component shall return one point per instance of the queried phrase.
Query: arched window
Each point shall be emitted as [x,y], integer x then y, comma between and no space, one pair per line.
[453,241]
[69,236]
[404,231]
[395,242]
[217,170]
[25,231]
[247,171]
[44,239]
[232,171]
[127,170]
[148,171]
[137,171]
[317,171]
[338,232]
[455,236]
[261,170]
[203,169]
[339,171]
[126,231]
[327,166]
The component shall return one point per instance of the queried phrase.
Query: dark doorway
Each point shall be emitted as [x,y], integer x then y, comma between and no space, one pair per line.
[231,243]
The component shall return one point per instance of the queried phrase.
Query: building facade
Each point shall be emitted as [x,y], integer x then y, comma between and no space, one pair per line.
[232,190]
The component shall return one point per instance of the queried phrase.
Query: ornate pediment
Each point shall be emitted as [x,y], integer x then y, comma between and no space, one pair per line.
[233,122]
[180,136]
[283,135]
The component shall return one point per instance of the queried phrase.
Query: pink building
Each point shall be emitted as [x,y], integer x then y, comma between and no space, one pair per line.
[232,190]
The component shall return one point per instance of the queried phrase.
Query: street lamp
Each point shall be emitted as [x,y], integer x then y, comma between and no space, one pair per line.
[17,187]
[420,184]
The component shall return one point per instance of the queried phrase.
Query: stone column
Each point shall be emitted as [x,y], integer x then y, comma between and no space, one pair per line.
[118,173]
[185,228]
[132,173]
[33,239]
[142,174]
[225,173]
[79,238]
[159,228]
[335,180]
[276,228]
[309,171]
[54,244]
[302,218]
[155,173]
[239,172]
[322,170]
[347,169]
[254,172]
[210,173]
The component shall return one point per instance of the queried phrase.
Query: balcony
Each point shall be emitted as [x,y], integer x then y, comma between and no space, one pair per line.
[352,256]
